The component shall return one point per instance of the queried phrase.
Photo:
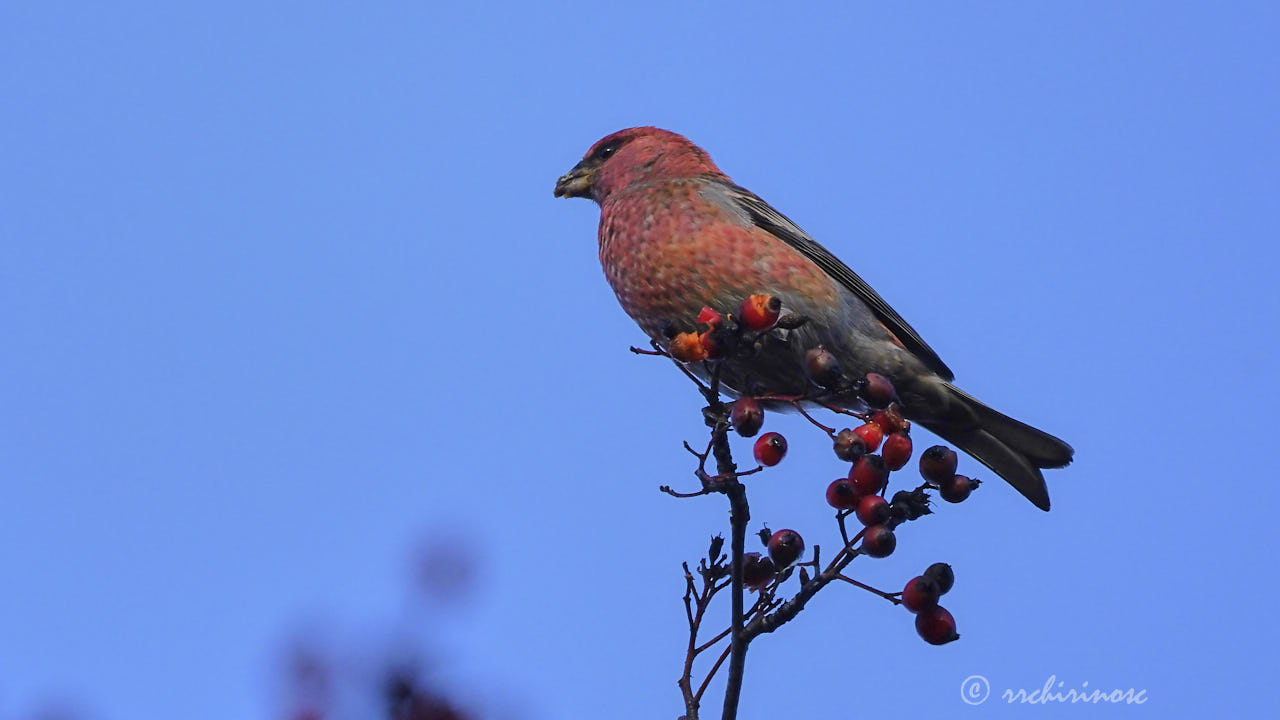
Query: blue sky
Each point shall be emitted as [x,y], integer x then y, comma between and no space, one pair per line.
[283,290]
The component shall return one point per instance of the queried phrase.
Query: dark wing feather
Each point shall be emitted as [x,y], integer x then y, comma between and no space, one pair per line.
[777,224]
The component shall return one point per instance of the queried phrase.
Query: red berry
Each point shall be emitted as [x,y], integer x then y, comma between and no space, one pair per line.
[938,464]
[757,571]
[890,419]
[957,488]
[921,593]
[759,312]
[877,391]
[896,451]
[770,449]
[785,547]
[871,434]
[709,316]
[879,541]
[869,474]
[873,510]
[936,626]
[747,416]
[941,574]
[842,495]
[822,366]
[848,446]
[687,347]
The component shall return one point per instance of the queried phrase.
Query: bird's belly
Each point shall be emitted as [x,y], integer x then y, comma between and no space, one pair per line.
[665,262]
[665,269]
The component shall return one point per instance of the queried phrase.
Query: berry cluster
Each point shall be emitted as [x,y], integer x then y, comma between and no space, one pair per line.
[874,448]
[723,336]
[920,596]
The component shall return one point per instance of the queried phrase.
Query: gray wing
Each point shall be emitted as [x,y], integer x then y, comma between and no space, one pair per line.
[778,225]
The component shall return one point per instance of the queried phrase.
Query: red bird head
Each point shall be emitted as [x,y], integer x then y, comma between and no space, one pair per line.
[632,156]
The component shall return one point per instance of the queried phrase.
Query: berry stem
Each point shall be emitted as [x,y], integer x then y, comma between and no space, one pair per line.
[891,597]
[828,430]
[844,532]
[864,417]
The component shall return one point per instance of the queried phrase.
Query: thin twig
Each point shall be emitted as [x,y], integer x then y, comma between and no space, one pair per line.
[702,648]
[642,351]
[707,680]
[667,489]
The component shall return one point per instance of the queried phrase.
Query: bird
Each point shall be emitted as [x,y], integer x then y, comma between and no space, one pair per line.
[676,235]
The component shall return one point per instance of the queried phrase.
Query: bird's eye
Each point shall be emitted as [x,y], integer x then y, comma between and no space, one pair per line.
[607,150]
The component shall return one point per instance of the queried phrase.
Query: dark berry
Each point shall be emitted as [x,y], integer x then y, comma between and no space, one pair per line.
[842,495]
[770,449]
[938,464]
[879,541]
[871,434]
[848,446]
[957,488]
[910,504]
[757,571]
[941,574]
[877,391]
[936,625]
[921,593]
[869,474]
[822,366]
[785,547]
[896,451]
[759,312]
[873,510]
[747,416]
[718,341]
[669,328]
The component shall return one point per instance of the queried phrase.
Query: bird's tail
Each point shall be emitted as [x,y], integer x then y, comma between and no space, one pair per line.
[1013,450]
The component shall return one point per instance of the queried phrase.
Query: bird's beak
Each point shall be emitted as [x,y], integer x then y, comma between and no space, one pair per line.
[577,182]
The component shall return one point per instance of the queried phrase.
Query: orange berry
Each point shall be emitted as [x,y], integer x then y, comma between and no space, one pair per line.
[687,347]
